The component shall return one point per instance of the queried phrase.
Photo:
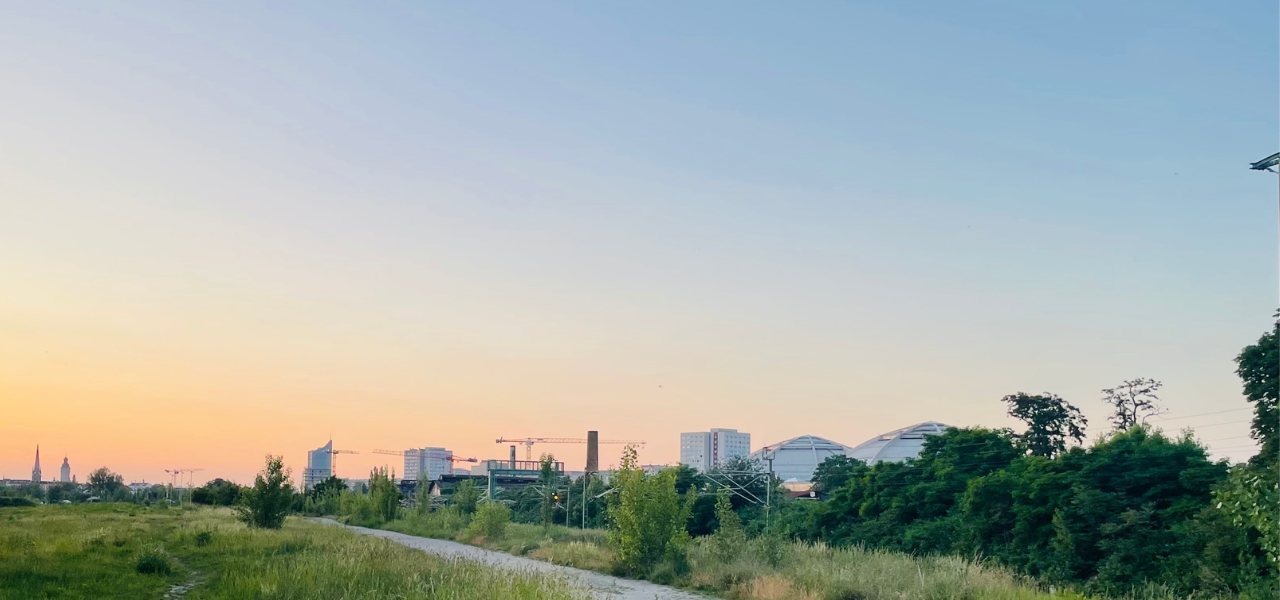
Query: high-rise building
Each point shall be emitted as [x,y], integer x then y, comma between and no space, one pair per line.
[35,473]
[704,450]
[319,465]
[65,475]
[431,462]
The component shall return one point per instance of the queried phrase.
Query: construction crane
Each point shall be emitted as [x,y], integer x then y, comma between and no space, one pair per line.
[439,455]
[175,474]
[333,459]
[529,442]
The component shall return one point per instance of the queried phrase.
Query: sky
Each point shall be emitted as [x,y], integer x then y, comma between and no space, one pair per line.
[234,229]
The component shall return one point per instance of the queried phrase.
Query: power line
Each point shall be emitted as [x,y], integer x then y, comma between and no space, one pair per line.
[1216,412]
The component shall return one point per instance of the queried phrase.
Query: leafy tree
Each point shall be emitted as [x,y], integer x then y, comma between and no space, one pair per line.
[384,494]
[491,521]
[836,471]
[687,477]
[1134,402]
[1259,368]
[547,479]
[64,491]
[326,486]
[1051,421]
[466,496]
[729,539]
[646,518]
[267,503]
[218,492]
[104,483]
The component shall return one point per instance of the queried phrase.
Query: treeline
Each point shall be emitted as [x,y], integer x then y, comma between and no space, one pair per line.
[1136,508]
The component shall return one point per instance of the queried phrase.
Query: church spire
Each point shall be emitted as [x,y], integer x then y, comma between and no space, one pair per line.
[35,473]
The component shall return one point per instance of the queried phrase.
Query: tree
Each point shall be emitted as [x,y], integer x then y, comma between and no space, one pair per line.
[1134,401]
[647,518]
[330,484]
[466,496]
[834,472]
[267,503]
[104,483]
[1050,420]
[218,492]
[1259,369]
[384,494]
[729,538]
[547,478]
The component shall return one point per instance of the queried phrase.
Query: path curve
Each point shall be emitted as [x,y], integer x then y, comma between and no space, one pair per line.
[598,585]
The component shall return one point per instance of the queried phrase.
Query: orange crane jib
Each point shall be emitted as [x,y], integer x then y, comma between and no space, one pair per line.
[529,442]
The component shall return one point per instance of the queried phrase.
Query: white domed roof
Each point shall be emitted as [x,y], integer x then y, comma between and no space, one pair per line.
[795,459]
[896,445]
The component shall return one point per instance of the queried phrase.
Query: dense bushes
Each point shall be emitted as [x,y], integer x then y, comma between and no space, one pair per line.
[490,521]
[1133,509]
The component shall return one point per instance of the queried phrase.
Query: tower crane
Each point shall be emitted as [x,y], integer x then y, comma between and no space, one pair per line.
[439,455]
[333,459]
[175,474]
[529,442]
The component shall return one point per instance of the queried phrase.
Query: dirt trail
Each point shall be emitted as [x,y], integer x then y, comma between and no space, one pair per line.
[599,585]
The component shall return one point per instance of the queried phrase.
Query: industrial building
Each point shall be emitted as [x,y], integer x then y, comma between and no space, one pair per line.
[319,465]
[896,445]
[705,450]
[794,460]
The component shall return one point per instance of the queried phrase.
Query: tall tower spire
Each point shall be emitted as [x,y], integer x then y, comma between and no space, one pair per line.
[35,473]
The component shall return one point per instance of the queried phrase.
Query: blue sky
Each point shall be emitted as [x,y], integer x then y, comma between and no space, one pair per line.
[866,215]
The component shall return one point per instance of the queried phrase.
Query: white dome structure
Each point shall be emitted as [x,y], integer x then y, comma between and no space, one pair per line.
[897,445]
[795,459]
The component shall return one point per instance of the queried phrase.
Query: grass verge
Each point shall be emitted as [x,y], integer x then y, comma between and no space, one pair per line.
[110,551]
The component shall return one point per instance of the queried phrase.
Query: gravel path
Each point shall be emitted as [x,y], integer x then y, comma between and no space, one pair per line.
[599,585]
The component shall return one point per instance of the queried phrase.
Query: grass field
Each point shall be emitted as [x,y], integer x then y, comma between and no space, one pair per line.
[769,569]
[97,551]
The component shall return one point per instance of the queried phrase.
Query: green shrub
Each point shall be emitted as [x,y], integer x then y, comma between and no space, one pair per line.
[153,561]
[204,538]
[491,521]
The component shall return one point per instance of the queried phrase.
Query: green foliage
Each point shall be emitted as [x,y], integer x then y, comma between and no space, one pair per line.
[1251,498]
[384,494]
[1134,401]
[547,478]
[153,561]
[204,538]
[93,551]
[646,517]
[1051,421]
[490,521]
[465,497]
[329,485]
[358,509]
[1258,366]
[16,501]
[729,539]
[836,471]
[267,503]
[218,492]
[104,483]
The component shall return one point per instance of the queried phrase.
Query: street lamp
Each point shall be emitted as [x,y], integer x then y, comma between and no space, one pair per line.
[1269,163]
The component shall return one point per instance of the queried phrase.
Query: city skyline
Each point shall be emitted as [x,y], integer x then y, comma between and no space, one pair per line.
[227,233]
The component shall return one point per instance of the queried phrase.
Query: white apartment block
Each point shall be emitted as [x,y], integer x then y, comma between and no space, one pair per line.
[704,450]
[434,462]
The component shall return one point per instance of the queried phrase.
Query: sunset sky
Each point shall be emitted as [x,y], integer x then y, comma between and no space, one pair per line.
[229,230]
